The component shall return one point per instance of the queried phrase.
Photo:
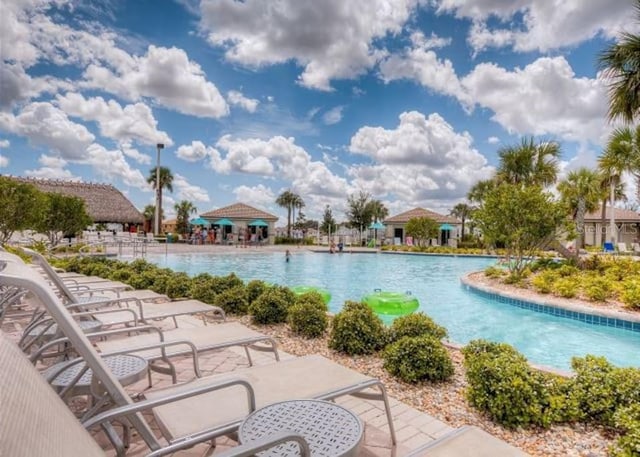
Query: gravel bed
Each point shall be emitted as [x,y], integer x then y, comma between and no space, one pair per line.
[446,401]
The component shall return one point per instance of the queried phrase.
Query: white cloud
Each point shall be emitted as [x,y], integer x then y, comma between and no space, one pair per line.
[129,151]
[165,74]
[331,39]
[333,116]
[493,140]
[4,144]
[543,98]
[186,191]
[123,124]
[51,168]
[422,159]
[4,161]
[545,25]
[112,165]
[260,195]
[194,152]
[238,99]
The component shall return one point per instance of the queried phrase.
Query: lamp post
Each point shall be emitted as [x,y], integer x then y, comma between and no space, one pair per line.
[156,228]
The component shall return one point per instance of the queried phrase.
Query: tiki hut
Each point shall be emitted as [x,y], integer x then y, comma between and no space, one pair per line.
[240,219]
[449,225]
[105,204]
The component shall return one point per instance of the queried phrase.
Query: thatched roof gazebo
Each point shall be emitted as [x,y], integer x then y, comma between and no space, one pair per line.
[104,203]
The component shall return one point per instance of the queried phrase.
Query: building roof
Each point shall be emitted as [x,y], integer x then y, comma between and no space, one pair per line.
[620,215]
[104,202]
[403,218]
[239,211]
[170,222]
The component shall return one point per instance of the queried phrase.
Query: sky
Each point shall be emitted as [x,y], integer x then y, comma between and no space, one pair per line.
[408,100]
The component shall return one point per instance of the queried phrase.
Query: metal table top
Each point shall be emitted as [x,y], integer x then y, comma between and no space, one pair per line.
[330,429]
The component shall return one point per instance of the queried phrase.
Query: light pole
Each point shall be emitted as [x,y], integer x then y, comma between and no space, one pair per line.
[156,228]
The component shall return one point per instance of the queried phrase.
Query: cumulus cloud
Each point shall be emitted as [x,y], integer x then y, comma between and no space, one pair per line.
[4,144]
[422,159]
[260,195]
[331,39]
[187,191]
[123,124]
[544,26]
[493,140]
[194,152]
[333,116]
[51,168]
[238,99]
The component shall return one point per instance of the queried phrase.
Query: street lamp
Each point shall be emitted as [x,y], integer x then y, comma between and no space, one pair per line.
[156,228]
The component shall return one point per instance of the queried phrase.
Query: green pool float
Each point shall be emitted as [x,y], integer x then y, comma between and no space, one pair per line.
[391,303]
[300,290]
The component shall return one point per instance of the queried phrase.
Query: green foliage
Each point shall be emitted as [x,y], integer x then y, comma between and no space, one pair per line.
[420,358]
[356,330]
[422,229]
[255,289]
[494,272]
[522,218]
[204,288]
[566,287]
[627,419]
[21,207]
[630,294]
[308,318]
[233,301]
[415,324]
[544,281]
[184,210]
[178,285]
[272,306]
[62,216]
[120,274]
[328,221]
[596,288]
[143,280]
[567,270]
[359,211]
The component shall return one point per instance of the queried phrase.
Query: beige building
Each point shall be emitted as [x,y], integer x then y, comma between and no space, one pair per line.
[627,226]
[169,226]
[234,221]
[395,226]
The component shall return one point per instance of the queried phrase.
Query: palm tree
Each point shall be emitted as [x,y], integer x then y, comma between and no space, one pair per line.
[606,181]
[462,211]
[148,214]
[290,201]
[622,154]
[581,192]
[184,209]
[378,211]
[479,190]
[166,182]
[296,203]
[529,163]
[621,65]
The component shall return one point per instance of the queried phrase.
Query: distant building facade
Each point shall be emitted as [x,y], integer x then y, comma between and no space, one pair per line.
[395,226]
[244,219]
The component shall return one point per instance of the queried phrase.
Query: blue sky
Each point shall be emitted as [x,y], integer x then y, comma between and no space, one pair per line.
[408,100]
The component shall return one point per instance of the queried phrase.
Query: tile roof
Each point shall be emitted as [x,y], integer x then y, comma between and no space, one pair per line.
[239,211]
[619,214]
[104,202]
[420,212]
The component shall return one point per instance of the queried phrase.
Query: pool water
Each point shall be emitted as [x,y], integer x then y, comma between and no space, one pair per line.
[434,280]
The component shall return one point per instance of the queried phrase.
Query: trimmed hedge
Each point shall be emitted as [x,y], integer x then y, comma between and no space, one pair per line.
[419,358]
[356,330]
[415,324]
[272,306]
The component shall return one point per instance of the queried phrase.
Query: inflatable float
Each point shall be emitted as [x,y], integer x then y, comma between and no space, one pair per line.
[300,290]
[391,303]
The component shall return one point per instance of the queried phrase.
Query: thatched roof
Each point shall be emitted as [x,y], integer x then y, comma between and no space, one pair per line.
[403,218]
[104,202]
[239,211]
[620,215]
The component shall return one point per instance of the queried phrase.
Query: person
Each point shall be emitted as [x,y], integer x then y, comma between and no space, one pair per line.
[287,256]
[332,249]
[340,246]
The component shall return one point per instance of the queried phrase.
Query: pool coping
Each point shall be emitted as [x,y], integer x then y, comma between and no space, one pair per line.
[573,309]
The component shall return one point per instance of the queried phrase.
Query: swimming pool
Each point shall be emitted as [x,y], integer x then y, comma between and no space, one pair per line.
[544,339]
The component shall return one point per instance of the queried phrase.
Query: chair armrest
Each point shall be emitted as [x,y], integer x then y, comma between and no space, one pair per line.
[134,317]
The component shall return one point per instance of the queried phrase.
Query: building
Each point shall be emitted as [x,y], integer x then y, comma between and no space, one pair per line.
[169,226]
[104,203]
[233,221]
[627,226]
[395,226]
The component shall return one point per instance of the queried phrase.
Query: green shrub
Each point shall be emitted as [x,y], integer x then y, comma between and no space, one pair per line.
[494,272]
[502,384]
[630,293]
[356,330]
[272,306]
[255,289]
[544,281]
[415,324]
[203,288]
[627,420]
[121,274]
[140,265]
[313,298]
[308,318]
[222,283]
[160,280]
[178,285]
[98,269]
[596,288]
[233,301]
[566,287]
[143,280]
[567,270]
[594,388]
[420,358]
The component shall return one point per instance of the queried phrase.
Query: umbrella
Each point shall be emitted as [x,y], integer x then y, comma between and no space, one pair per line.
[446,227]
[223,221]
[258,223]
[199,221]
[376,226]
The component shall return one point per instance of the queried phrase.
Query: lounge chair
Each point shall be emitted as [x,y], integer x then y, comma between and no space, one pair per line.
[40,423]
[636,248]
[212,415]
[608,248]
[622,248]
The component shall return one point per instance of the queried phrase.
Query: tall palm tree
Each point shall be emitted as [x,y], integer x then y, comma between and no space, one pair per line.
[290,201]
[581,192]
[297,203]
[378,210]
[184,210]
[462,211]
[479,190]
[621,65]
[529,163]
[166,182]
[622,154]
[148,213]
[606,181]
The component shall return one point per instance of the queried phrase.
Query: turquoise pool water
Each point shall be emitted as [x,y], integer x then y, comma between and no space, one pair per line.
[544,339]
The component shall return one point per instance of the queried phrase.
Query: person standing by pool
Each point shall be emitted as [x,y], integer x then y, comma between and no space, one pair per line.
[287,256]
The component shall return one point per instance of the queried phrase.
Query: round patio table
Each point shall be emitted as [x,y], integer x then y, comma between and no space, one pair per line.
[329,429]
